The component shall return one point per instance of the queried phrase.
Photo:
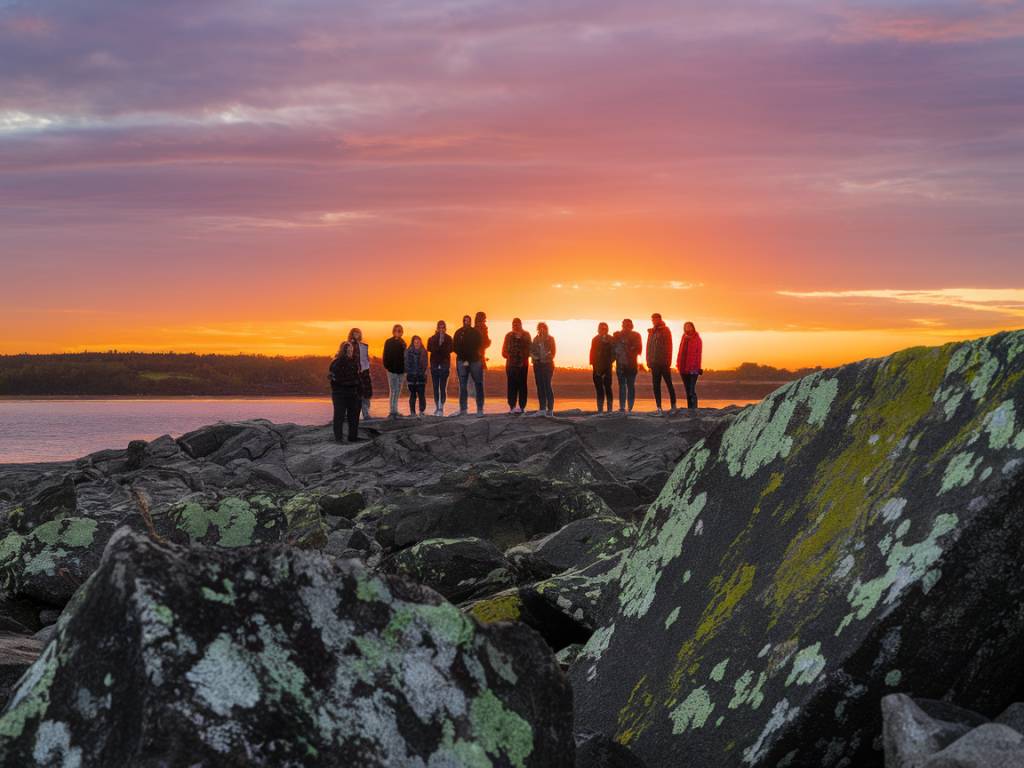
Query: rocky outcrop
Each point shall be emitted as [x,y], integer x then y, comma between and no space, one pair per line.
[276,656]
[457,568]
[859,532]
[929,734]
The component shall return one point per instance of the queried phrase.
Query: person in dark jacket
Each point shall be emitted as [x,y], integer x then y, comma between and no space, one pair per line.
[346,392]
[628,347]
[688,362]
[467,345]
[363,356]
[542,353]
[601,355]
[439,347]
[416,375]
[480,324]
[394,364]
[659,360]
[516,351]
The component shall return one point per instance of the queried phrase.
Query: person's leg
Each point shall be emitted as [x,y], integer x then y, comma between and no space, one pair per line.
[523,386]
[542,392]
[622,389]
[656,386]
[412,399]
[339,415]
[631,386]
[444,385]
[353,406]
[549,375]
[690,383]
[671,387]
[462,370]
[477,371]
[599,390]
[606,383]
[511,386]
[394,390]
[435,382]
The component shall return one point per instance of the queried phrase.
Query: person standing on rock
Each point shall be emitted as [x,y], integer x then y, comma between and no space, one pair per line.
[659,360]
[440,349]
[601,354]
[628,347]
[466,344]
[480,324]
[542,353]
[346,386]
[394,364]
[689,362]
[416,375]
[355,336]
[516,351]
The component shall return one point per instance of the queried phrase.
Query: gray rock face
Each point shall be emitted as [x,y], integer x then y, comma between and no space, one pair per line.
[279,657]
[857,533]
[575,545]
[910,736]
[17,654]
[987,746]
[598,751]
[1013,717]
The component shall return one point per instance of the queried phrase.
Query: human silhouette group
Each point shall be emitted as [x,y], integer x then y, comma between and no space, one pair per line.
[409,363]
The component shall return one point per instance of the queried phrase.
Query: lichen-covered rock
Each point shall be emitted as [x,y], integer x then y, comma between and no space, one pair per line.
[459,569]
[241,521]
[279,657]
[576,545]
[857,533]
[505,507]
[596,750]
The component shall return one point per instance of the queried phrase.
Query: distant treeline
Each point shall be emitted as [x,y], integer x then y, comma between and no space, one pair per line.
[171,374]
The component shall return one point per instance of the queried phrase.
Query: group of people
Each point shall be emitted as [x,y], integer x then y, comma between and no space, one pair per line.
[409,364]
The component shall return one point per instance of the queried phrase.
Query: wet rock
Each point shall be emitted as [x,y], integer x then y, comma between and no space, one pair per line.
[910,736]
[207,656]
[576,545]
[457,568]
[987,746]
[857,533]
[505,507]
[596,750]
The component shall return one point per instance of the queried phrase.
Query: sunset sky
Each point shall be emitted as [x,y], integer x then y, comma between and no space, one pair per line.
[810,182]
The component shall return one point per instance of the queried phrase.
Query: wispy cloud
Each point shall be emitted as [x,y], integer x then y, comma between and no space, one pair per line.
[615,285]
[1005,301]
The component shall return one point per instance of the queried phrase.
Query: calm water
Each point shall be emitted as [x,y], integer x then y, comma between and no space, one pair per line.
[56,430]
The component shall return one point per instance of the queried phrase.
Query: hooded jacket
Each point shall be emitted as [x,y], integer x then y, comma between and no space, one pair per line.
[516,349]
[690,350]
[543,349]
[659,347]
[440,349]
[394,355]
[344,374]
[601,353]
[416,365]
[466,344]
[627,349]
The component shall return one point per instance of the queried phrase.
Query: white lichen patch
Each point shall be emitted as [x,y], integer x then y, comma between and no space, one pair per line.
[808,664]
[223,678]
[960,471]
[693,712]
[782,714]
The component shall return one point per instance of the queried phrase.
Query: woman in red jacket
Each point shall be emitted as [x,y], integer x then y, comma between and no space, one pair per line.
[688,361]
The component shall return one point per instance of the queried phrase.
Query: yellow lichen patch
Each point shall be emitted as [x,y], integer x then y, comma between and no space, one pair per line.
[849,485]
[507,607]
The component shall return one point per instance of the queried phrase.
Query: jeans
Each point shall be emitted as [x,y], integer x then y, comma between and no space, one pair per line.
[661,373]
[465,371]
[627,387]
[542,373]
[395,389]
[439,377]
[690,384]
[603,387]
[516,375]
[417,391]
[346,410]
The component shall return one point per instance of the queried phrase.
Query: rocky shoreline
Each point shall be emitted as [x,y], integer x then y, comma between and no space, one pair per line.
[738,588]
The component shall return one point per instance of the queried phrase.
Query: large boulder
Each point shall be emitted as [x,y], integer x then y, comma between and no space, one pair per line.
[859,532]
[576,545]
[17,654]
[457,568]
[505,507]
[279,657]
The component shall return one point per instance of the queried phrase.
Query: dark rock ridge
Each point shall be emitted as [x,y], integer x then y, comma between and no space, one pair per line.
[278,657]
[500,479]
[859,532]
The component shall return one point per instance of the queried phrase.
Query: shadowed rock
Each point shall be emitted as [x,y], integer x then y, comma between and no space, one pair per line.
[276,656]
[857,533]
[457,568]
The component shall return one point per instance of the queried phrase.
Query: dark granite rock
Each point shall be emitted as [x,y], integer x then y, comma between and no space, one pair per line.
[459,569]
[576,545]
[857,533]
[274,657]
[598,751]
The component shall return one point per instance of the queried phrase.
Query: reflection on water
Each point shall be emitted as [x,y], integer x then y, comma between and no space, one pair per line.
[56,430]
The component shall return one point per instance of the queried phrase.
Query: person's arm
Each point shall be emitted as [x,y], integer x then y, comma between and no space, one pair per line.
[554,348]
[680,359]
[700,354]
[593,350]
[504,347]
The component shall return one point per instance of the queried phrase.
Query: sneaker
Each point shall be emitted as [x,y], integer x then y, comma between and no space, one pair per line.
[480,412]
[660,412]
[551,412]
[517,409]
[462,413]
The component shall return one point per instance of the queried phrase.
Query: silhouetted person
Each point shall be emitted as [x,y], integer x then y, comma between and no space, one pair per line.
[416,375]
[689,362]
[516,351]
[628,347]
[346,386]
[363,355]
[394,364]
[542,353]
[480,324]
[659,360]
[440,349]
[601,356]
[466,344]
